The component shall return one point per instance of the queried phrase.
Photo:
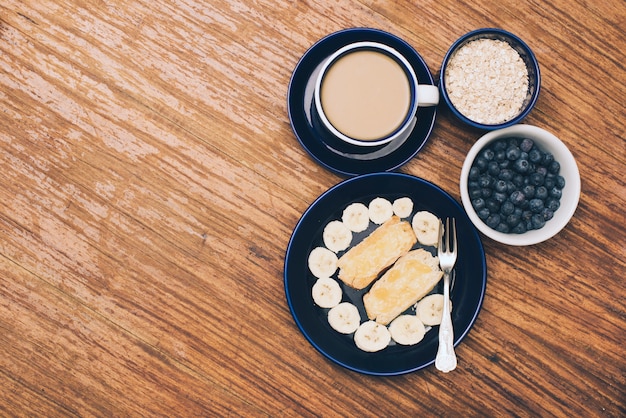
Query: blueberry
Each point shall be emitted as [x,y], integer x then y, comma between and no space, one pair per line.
[560,182]
[483,213]
[523,155]
[517,198]
[553,204]
[521,166]
[520,228]
[547,159]
[524,204]
[481,164]
[478,203]
[513,219]
[510,187]
[492,205]
[487,154]
[500,155]
[526,215]
[493,168]
[526,144]
[493,220]
[500,198]
[518,180]
[535,205]
[485,180]
[538,221]
[500,186]
[505,164]
[536,179]
[502,227]
[547,214]
[535,156]
[541,193]
[474,173]
[486,192]
[541,170]
[529,191]
[513,153]
[555,192]
[500,145]
[507,208]
[476,193]
[554,167]
[505,174]
[549,181]
[513,142]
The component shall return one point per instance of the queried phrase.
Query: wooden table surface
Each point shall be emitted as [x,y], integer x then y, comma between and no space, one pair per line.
[150,182]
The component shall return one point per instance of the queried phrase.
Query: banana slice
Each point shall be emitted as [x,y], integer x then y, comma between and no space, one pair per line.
[337,236]
[372,336]
[407,330]
[426,228]
[322,262]
[403,207]
[326,293]
[344,318]
[430,309]
[356,217]
[380,210]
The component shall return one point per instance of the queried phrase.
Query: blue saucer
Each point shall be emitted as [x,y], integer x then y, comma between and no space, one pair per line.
[344,160]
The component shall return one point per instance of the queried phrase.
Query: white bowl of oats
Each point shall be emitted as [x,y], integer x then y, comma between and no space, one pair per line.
[490,79]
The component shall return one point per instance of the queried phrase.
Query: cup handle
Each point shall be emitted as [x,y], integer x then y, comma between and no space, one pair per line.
[427,95]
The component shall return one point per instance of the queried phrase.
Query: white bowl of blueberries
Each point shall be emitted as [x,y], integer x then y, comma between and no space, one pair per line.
[520,185]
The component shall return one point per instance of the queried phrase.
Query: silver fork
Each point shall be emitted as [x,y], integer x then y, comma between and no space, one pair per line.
[446,359]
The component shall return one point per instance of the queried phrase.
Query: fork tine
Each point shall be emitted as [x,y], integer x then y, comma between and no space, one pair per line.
[447,233]
[440,245]
[454,248]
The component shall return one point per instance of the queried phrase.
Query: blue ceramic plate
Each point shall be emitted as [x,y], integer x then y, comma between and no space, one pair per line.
[467,292]
[349,162]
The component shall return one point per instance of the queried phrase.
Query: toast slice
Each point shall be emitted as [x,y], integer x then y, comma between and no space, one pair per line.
[364,262]
[412,277]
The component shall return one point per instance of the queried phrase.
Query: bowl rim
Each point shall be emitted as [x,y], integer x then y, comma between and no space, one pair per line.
[571,191]
[467,38]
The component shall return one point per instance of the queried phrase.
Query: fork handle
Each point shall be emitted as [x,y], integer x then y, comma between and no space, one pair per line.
[446,358]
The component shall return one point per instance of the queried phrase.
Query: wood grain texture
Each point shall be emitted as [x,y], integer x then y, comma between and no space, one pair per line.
[150,182]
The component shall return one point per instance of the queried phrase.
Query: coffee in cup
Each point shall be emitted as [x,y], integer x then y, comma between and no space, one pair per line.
[367,94]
